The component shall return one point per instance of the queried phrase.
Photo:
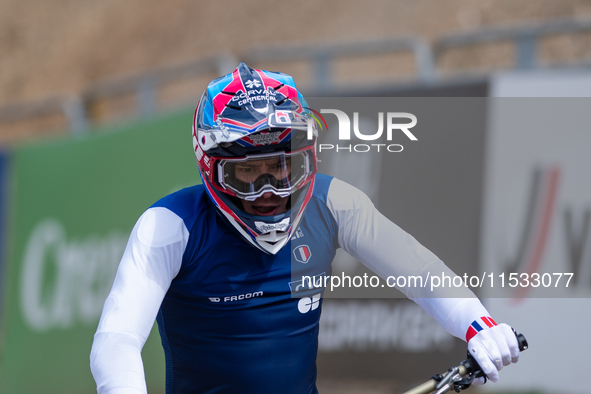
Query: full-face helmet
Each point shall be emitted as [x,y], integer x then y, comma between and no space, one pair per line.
[254,138]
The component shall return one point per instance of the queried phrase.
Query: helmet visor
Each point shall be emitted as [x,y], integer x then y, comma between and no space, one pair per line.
[252,176]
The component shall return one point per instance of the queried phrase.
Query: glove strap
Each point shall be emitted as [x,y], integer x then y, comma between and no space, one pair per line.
[478,325]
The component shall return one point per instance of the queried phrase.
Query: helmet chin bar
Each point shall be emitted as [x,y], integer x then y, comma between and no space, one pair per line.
[275,236]
[270,243]
[273,241]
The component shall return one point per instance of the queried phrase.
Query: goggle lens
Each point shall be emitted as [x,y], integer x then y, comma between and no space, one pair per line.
[251,177]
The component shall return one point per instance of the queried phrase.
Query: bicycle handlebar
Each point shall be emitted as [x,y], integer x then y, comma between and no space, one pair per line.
[471,366]
[454,377]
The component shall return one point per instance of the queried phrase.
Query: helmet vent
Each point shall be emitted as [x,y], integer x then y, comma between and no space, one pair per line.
[231,93]
[234,107]
[279,86]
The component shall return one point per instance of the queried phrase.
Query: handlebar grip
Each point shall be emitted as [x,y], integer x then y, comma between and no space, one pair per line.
[522,341]
[472,366]
[468,366]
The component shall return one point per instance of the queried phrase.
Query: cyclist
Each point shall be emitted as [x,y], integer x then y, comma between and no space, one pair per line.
[214,263]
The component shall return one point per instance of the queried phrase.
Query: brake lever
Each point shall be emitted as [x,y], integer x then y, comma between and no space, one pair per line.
[448,381]
[473,370]
[461,377]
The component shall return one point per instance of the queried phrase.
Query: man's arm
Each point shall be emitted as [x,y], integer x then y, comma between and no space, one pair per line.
[388,250]
[151,260]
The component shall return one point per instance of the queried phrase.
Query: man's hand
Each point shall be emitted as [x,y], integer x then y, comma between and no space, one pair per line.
[493,348]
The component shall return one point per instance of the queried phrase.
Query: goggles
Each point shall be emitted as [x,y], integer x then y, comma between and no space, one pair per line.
[252,176]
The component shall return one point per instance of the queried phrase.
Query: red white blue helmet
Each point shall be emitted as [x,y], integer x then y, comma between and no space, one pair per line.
[248,116]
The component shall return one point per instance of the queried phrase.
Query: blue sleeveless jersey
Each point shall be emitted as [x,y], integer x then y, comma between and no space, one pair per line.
[237,320]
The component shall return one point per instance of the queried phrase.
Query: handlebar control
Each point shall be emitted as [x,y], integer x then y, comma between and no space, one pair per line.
[472,366]
[461,377]
[522,341]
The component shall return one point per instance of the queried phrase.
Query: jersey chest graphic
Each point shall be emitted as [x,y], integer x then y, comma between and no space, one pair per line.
[244,277]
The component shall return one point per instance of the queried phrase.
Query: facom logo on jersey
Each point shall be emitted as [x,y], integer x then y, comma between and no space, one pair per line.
[302,254]
[239,297]
[307,304]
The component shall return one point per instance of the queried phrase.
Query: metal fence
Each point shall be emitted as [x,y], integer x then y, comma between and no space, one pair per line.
[322,58]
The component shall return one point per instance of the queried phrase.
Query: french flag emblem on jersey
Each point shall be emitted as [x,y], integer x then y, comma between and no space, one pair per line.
[479,325]
[302,253]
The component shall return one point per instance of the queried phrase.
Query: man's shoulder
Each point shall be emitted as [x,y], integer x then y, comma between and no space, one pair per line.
[336,193]
[328,187]
[180,197]
[186,203]
[321,185]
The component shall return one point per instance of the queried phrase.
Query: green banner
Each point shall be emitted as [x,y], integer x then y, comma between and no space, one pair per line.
[73,205]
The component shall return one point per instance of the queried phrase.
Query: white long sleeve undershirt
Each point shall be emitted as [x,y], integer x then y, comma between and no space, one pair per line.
[386,249]
[153,258]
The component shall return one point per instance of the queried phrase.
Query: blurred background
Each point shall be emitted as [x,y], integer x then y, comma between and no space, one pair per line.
[96,102]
